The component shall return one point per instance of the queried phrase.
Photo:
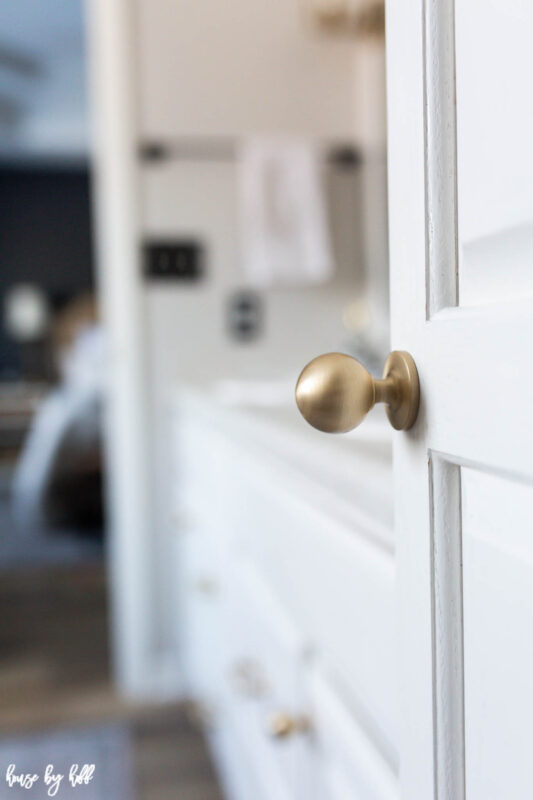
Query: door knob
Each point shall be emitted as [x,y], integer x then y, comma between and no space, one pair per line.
[335,392]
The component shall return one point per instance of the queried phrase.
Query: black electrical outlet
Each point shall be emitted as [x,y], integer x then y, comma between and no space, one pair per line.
[181,260]
[245,315]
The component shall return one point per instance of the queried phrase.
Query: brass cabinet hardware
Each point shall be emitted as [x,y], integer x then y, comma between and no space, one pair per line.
[335,392]
[362,19]
[281,725]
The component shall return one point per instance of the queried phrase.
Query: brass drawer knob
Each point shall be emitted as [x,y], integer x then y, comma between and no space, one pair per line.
[281,725]
[335,392]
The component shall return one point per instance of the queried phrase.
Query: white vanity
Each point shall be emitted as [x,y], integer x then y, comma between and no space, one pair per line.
[286,610]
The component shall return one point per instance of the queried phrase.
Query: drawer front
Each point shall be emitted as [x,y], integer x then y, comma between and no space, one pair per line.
[346,759]
[200,597]
[235,773]
[337,585]
[265,663]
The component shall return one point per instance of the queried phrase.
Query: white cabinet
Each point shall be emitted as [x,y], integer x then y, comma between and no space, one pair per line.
[349,761]
[266,656]
[337,585]
[286,614]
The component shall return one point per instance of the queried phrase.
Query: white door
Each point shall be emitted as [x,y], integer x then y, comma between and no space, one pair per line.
[461,235]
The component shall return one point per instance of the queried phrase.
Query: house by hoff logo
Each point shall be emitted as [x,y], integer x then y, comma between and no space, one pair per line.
[79,775]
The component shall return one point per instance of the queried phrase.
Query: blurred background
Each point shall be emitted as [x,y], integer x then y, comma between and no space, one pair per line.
[192,205]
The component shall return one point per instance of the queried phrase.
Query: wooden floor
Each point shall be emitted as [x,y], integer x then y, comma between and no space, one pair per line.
[54,672]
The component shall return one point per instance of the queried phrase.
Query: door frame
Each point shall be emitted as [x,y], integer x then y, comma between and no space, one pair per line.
[421,166]
[116,199]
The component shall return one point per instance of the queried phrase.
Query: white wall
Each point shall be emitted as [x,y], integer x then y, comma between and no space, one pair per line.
[245,66]
[188,322]
[197,69]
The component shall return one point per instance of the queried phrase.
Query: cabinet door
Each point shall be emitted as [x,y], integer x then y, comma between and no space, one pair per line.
[461,236]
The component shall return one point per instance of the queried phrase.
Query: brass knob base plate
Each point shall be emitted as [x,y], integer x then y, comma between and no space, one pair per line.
[402,369]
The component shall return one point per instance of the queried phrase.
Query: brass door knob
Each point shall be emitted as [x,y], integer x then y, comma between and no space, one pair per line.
[335,392]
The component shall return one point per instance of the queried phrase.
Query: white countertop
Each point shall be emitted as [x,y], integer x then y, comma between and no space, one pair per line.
[350,474]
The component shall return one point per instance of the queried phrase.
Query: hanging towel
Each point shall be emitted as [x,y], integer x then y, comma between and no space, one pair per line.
[283,215]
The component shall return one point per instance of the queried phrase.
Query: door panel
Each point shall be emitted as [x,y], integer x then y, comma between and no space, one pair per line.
[494,62]
[497,526]
[461,222]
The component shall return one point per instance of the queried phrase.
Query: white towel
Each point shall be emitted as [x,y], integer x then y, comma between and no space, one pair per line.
[283,215]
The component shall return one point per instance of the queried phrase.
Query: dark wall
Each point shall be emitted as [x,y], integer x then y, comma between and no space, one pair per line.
[45,238]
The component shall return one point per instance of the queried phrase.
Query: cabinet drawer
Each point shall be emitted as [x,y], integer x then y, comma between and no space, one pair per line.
[337,585]
[200,594]
[265,670]
[347,762]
